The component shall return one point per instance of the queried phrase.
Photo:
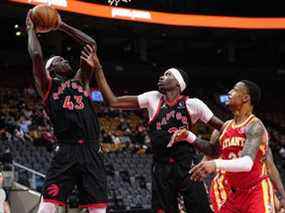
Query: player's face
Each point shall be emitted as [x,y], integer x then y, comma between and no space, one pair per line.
[62,67]
[238,95]
[167,82]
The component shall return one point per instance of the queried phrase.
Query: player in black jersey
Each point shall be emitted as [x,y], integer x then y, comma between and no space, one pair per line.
[168,111]
[65,93]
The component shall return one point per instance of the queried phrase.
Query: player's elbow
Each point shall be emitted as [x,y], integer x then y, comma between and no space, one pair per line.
[35,54]
[114,103]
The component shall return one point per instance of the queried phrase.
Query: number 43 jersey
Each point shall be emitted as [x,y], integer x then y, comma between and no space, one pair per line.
[71,112]
[232,141]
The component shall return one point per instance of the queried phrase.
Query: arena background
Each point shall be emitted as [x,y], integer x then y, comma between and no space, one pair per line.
[133,54]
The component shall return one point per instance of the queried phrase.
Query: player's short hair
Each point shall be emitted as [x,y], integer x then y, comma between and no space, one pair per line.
[254,91]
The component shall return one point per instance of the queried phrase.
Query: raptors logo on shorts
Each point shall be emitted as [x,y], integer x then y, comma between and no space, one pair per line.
[53,190]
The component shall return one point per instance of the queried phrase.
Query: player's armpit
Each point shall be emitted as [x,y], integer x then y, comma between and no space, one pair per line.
[254,134]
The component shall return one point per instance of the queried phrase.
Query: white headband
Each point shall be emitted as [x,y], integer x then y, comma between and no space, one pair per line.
[177,75]
[49,62]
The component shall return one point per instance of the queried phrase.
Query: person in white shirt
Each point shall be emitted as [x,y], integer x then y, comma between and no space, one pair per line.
[4,206]
[168,112]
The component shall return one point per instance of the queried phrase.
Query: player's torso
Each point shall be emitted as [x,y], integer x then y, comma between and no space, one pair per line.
[168,119]
[232,141]
[71,112]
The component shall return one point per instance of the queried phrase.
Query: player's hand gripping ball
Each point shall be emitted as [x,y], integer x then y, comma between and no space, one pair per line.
[45,18]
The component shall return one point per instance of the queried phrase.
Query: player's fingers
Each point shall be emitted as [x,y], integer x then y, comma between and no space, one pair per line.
[94,47]
[195,168]
[83,59]
[89,48]
[85,49]
[172,140]
[196,175]
[84,54]
[197,171]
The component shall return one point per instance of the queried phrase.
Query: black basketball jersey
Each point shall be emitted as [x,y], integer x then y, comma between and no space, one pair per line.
[166,121]
[71,112]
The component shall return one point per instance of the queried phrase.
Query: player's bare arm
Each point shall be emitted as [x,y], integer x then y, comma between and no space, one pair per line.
[275,178]
[244,163]
[85,72]
[78,35]
[209,148]
[254,134]
[89,55]
[216,123]
[40,75]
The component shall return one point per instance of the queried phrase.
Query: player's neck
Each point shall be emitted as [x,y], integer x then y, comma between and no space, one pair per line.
[172,95]
[242,114]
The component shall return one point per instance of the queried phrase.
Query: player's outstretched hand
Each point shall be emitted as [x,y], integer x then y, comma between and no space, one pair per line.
[202,170]
[29,22]
[182,135]
[89,56]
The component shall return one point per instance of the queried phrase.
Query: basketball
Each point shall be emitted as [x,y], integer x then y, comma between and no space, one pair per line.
[45,18]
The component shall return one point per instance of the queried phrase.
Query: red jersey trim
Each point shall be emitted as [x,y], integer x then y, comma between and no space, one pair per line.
[227,124]
[94,205]
[56,202]
[174,102]
[243,123]
[188,112]
[156,112]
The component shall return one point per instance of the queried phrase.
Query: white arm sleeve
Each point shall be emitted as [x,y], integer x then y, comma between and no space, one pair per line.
[198,110]
[149,100]
[243,164]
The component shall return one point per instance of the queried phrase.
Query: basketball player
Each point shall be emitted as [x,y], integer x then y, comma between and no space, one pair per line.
[220,189]
[168,111]
[243,145]
[66,97]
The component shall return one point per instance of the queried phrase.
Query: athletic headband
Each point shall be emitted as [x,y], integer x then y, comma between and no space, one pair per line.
[177,75]
[49,62]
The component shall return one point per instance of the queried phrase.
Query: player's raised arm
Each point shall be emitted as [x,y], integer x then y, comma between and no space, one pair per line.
[42,78]
[76,34]
[90,57]
[84,73]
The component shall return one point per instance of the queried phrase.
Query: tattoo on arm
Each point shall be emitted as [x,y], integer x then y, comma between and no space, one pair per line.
[254,135]
[216,123]
[274,175]
[210,148]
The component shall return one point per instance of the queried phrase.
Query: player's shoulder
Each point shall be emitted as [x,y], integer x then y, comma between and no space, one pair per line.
[226,124]
[194,101]
[255,125]
[153,93]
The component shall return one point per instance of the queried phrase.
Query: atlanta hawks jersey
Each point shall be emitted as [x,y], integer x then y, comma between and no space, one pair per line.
[232,141]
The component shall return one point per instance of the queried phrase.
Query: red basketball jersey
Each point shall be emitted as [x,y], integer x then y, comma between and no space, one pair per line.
[232,141]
